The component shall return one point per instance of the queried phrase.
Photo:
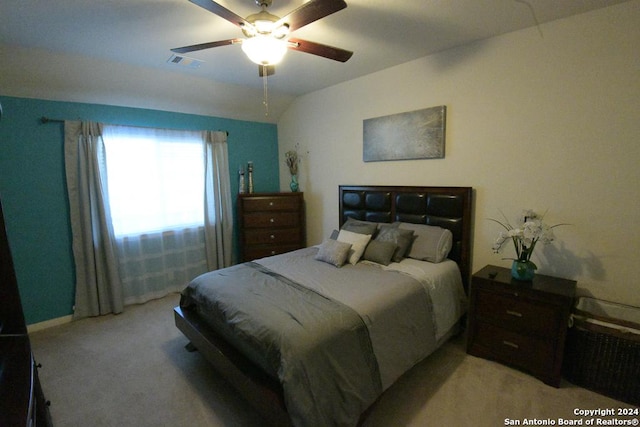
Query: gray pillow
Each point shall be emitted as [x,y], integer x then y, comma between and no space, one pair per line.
[360,227]
[333,252]
[430,243]
[380,252]
[401,238]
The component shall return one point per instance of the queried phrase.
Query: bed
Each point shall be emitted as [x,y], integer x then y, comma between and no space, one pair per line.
[315,336]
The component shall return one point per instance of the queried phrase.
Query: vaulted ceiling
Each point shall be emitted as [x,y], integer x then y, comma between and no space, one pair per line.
[381,34]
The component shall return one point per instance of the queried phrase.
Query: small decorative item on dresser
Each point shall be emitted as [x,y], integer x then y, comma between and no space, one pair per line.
[250,172]
[294,184]
[525,235]
[292,160]
[241,180]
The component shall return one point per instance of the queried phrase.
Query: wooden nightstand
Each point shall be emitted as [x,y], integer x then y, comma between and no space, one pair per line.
[520,324]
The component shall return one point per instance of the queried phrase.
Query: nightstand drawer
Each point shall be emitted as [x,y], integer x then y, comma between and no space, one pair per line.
[276,235]
[530,353]
[516,313]
[274,219]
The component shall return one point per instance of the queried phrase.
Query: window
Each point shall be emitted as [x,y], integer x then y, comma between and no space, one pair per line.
[155,179]
[150,185]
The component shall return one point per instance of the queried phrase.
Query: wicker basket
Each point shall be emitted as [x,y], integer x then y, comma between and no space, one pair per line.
[602,353]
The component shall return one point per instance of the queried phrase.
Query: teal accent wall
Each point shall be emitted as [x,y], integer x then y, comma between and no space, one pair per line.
[34,194]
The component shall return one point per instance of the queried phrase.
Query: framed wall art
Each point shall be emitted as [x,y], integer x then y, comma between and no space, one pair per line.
[412,135]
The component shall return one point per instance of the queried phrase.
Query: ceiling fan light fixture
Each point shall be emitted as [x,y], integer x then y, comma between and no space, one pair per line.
[280,32]
[264,50]
[267,35]
[263,26]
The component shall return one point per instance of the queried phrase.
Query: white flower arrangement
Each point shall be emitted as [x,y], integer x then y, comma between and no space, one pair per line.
[529,230]
[291,159]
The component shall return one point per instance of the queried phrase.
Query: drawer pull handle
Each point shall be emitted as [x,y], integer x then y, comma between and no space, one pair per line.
[271,220]
[272,237]
[273,252]
[514,313]
[511,344]
[270,203]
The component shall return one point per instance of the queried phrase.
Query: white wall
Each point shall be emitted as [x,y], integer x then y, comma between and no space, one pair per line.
[547,122]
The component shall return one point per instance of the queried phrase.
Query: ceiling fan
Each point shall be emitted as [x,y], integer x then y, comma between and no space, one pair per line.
[267,35]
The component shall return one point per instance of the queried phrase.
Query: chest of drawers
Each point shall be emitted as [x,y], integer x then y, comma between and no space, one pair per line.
[270,224]
[520,324]
[22,401]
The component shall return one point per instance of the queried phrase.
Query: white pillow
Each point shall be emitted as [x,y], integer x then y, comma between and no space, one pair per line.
[358,244]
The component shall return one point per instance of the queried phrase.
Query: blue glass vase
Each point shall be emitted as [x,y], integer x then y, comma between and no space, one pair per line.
[294,183]
[523,270]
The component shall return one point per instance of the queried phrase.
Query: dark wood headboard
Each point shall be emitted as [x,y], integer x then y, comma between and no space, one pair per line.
[447,207]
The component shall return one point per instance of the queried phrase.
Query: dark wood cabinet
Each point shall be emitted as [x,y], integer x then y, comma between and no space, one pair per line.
[270,224]
[22,401]
[520,324]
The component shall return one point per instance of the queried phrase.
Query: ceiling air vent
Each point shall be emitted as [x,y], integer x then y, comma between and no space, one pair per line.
[184,61]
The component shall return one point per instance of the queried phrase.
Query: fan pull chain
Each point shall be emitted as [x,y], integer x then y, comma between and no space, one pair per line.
[533,14]
[265,96]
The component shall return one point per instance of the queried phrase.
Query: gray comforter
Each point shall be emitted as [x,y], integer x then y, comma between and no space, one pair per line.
[335,338]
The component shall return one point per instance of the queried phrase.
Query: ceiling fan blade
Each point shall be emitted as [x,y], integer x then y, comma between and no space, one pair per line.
[310,12]
[323,50]
[201,46]
[221,11]
[270,70]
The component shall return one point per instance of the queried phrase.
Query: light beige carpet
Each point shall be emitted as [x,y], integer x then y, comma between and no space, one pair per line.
[132,370]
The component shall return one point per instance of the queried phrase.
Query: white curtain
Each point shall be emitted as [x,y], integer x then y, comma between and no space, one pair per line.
[98,286]
[153,265]
[171,203]
[156,183]
[218,218]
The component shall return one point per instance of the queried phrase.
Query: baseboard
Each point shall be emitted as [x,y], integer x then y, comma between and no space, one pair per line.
[49,323]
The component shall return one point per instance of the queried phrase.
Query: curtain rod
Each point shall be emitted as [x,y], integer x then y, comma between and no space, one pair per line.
[45,119]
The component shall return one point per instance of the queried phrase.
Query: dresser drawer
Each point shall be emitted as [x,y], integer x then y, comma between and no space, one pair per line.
[261,251]
[273,219]
[532,354]
[517,313]
[258,236]
[259,204]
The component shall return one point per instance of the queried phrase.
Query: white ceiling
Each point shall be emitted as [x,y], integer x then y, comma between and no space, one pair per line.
[380,33]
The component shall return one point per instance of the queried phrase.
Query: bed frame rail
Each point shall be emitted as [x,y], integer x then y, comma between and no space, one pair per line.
[261,391]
